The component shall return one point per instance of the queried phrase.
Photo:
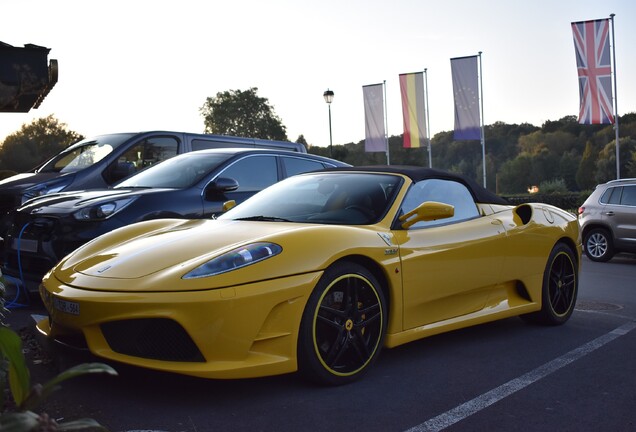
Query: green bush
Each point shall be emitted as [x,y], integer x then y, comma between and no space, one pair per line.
[567,201]
[551,187]
[17,415]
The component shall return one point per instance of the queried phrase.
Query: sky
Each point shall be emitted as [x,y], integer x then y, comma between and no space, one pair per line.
[138,65]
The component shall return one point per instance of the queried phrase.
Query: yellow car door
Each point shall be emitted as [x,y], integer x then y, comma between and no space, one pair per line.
[450,265]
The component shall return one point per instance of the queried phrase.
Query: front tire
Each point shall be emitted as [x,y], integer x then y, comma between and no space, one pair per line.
[343,325]
[598,245]
[560,287]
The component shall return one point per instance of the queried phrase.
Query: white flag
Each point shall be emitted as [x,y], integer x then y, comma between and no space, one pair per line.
[375,131]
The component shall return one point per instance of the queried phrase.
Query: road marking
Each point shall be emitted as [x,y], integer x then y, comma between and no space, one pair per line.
[471,407]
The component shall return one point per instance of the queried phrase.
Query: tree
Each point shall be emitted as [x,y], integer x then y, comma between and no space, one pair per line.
[631,166]
[516,175]
[35,143]
[586,172]
[568,166]
[242,113]
[517,155]
[301,140]
[606,163]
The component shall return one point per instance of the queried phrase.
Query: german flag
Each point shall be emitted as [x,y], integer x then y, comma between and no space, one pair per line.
[413,110]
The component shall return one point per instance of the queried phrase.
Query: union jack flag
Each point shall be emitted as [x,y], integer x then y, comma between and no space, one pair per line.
[591,43]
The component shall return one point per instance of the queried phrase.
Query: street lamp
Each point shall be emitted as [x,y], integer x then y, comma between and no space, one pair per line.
[328,95]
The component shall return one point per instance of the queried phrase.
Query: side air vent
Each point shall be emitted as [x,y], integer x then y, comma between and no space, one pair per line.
[524,212]
[522,291]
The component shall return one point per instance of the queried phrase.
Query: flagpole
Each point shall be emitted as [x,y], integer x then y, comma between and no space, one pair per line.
[428,121]
[483,139]
[386,128]
[618,162]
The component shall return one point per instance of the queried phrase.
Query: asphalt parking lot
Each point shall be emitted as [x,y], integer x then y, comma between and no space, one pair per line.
[500,376]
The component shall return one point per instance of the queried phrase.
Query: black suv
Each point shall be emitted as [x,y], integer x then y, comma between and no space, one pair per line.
[191,185]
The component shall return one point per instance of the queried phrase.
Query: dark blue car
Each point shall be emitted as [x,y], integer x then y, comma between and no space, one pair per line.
[191,185]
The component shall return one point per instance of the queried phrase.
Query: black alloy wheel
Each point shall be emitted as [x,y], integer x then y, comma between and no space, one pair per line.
[560,287]
[343,325]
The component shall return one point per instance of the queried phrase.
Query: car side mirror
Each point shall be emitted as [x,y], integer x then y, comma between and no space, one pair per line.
[220,186]
[427,211]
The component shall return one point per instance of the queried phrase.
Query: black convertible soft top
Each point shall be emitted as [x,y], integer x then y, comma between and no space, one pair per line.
[415,173]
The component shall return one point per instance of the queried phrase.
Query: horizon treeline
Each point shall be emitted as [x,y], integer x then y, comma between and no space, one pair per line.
[518,156]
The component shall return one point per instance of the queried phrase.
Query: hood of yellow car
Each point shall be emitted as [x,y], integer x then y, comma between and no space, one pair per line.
[150,248]
[154,256]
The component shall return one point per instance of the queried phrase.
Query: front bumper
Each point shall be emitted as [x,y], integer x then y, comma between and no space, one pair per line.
[240,332]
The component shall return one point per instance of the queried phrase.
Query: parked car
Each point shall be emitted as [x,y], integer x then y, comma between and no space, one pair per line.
[317,273]
[102,161]
[191,185]
[608,220]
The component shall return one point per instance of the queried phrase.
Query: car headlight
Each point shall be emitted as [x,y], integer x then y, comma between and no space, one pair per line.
[235,259]
[45,189]
[102,210]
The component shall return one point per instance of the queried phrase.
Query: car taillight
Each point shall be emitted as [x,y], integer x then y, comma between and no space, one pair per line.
[581,210]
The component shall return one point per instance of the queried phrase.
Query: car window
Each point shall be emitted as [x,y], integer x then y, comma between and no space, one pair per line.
[84,153]
[629,196]
[444,191]
[253,173]
[178,172]
[81,157]
[150,151]
[612,196]
[295,166]
[333,198]
[141,155]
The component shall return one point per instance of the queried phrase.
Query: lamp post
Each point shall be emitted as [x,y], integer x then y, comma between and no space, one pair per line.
[328,95]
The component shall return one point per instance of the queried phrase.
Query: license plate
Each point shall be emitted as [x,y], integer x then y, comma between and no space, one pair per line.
[66,306]
[25,245]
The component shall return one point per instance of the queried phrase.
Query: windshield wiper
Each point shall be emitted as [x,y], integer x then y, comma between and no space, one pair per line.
[263,218]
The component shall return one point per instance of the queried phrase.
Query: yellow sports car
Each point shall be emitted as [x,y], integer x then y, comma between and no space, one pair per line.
[316,273]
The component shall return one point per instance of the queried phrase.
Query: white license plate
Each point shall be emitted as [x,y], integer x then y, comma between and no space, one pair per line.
[25,245]
[66,306]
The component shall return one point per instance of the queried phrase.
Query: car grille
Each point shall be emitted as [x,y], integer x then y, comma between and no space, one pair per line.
[36,226]
[33,263]
[151,338]
[29,264]
[8,202]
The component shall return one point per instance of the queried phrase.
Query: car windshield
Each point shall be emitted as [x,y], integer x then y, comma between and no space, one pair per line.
[327,198]
[84,153]
[177,172]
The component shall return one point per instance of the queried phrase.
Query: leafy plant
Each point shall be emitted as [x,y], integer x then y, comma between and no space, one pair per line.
[17,415]
[554,186]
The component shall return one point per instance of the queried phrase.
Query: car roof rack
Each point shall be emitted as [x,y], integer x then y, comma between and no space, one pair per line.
[622,180]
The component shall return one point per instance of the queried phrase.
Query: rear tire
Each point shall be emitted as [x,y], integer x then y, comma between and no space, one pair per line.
[343,325]
[560,287]
[598,245]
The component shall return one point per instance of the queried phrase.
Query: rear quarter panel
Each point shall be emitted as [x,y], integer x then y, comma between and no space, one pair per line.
[531,243]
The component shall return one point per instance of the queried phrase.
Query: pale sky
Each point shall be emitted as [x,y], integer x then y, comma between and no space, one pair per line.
[150,64]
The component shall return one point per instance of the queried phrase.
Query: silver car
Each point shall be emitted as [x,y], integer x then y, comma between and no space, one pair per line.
[608,220]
